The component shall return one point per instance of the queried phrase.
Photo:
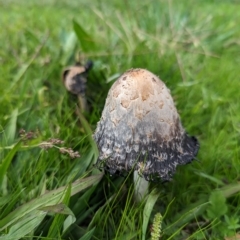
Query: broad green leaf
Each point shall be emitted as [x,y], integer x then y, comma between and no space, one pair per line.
[87,43]
[218,206]
[69,43]
[151,200]
[50,198]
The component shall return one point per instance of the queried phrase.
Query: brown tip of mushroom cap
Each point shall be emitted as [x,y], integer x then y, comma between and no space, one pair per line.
[140,129]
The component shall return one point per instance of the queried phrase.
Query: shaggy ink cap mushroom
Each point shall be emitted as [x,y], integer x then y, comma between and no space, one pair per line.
[75,79]
[140,129]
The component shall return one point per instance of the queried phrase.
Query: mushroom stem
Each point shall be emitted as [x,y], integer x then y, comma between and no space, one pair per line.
[140,187]
[82,102]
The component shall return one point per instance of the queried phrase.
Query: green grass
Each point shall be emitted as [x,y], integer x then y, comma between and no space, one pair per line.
[192,45]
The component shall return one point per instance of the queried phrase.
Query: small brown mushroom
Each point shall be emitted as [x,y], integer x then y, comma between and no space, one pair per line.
[140,129]
[75,79]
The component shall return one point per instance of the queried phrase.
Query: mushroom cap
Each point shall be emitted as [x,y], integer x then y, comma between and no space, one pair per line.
[140,129]
[74,79]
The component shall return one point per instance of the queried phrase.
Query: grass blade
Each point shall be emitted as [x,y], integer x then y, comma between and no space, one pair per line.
[60,209]
[7,161]
[88,235]
[89,133]
[11,127]
[24,225]
[50,198]
[151,200]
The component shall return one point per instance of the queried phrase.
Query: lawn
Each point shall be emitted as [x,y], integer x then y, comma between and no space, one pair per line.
[45,191]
